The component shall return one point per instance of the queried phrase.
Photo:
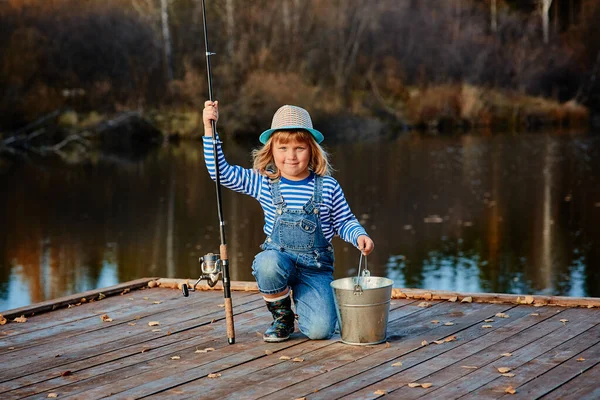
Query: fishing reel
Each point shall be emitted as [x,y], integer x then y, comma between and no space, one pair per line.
[210,264]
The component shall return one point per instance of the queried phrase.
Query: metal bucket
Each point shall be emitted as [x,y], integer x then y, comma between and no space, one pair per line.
[363,306]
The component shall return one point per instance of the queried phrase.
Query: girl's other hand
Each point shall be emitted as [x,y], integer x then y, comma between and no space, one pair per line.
[210,113]
[365,244]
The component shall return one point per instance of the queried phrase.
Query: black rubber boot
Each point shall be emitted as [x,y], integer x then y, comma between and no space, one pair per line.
[283,324]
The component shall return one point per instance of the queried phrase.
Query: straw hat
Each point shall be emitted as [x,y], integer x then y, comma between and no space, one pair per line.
[288,118]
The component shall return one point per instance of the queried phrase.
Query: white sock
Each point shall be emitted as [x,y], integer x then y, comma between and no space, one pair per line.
[277,298]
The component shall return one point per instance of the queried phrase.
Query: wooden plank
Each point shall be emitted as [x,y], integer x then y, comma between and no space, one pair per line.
[554,379]
[109,367]
[453,381]
[350,377]
[84,318]
[256,371]
[150,382]
[582,387]
[538,366]
[111,337]
[98,334]
[52,305]
[497,297]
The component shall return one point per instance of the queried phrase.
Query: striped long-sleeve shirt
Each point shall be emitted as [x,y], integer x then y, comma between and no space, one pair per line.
[336,216]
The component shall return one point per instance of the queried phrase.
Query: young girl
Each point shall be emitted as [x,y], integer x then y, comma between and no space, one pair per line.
[304,207]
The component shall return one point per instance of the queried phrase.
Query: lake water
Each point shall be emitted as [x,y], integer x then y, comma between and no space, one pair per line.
[479,213]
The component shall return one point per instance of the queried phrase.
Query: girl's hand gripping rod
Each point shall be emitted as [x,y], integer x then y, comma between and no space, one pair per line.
[212,273]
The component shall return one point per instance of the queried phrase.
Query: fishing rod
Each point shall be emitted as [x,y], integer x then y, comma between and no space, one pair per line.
[212,266]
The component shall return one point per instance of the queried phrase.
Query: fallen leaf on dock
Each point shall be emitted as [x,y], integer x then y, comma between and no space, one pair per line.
[220,305]
[580,359]
[510,390]
[424,343]
[146,298]
[424,304]
[564,321]
[449,323]
[153,323]
[503,370]
[435,321]
[528,299]
[488,320]
[380,392]
[131,323]
[301,398]
[206,350]
[439,342]
[486,326]
[285,358]
[213,376]
[66,373]
[155,330]
[268,352]
[52,395]
[426,385]
[20,319]
[509,375]
[469,367]
[175,358]
[397,364]
[427,296]
[534,314]
[156,302]
[453,299]
[467,299]
[2,320]
[105,318]
[298,359]
[450,338]
[414,385]
[502,315]
[506,354]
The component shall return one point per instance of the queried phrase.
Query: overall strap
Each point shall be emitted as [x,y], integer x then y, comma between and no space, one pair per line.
[312,206]
[278,201]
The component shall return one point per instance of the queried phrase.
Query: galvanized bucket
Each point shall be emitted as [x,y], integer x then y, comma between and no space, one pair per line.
[363,307]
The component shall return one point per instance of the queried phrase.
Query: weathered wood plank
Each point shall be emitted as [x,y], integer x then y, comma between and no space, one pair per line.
[550,358]
[582,387]
[554,379]
[81,320]
[497,298]
[537,367]
[144,384]
[256,371]
[112,366]
[350,377]
[110,337]
[454,381]
[52,305]
[425,361]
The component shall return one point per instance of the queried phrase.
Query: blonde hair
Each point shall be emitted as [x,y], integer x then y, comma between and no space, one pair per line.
[264,161]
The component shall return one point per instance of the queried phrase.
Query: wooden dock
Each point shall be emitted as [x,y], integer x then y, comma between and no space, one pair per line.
[131,341]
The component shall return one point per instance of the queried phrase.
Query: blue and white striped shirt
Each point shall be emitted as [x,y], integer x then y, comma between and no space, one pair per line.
[336,216]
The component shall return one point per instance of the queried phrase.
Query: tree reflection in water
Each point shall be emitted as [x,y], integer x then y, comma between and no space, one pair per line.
[512,214]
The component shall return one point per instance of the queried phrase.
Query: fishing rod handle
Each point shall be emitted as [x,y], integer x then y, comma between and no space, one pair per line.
[227,295]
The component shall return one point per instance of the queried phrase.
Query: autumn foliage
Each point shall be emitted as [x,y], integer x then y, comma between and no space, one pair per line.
[367,58]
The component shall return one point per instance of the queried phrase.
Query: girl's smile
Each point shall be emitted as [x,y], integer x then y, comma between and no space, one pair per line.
[292,159]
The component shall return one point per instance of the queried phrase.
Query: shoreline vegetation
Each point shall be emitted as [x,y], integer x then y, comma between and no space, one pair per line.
[71,69]
[437,109]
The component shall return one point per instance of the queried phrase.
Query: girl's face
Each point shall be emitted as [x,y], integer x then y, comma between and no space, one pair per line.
[292,159]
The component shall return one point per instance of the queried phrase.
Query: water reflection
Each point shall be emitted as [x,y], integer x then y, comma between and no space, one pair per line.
[515,214]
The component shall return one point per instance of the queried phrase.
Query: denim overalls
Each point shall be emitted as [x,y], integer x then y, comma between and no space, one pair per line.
[298,255]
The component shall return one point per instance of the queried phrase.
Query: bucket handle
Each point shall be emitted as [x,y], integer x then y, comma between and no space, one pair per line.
[358,290]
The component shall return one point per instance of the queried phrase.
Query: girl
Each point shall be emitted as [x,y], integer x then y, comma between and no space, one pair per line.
[304,207]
